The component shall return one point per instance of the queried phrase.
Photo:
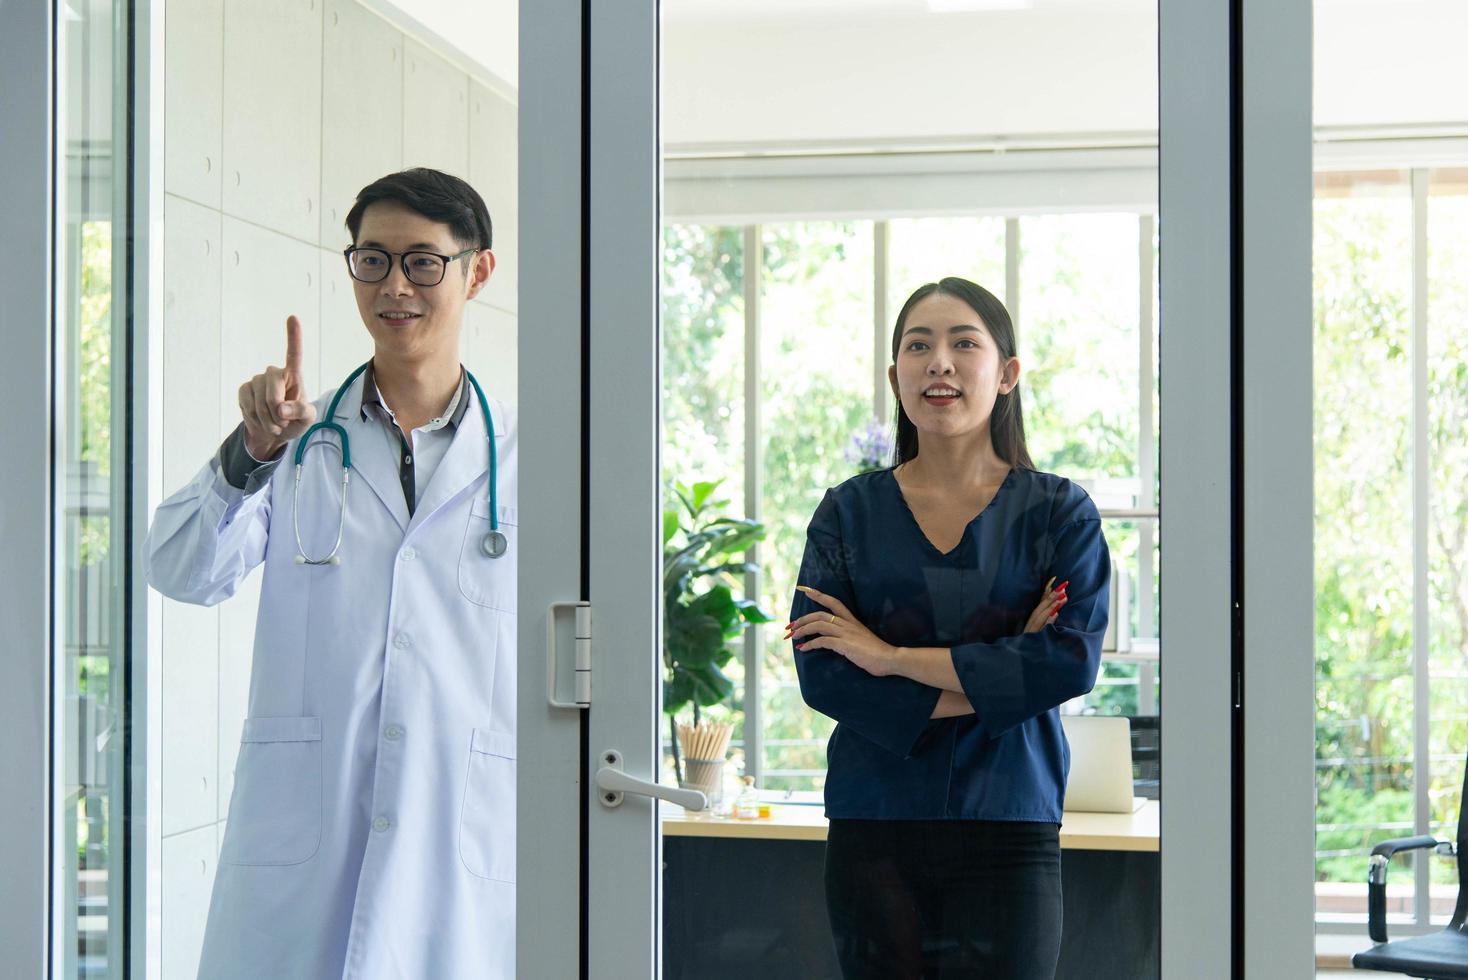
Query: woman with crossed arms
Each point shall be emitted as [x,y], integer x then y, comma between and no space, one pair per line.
[917,629]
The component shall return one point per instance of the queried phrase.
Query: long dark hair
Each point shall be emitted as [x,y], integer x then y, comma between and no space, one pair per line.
[1006,422]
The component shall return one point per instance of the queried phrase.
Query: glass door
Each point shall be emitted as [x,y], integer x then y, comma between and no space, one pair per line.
[818,170]
[777,252]
[814,170]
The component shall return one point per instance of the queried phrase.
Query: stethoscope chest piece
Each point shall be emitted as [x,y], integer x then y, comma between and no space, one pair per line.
[494,544]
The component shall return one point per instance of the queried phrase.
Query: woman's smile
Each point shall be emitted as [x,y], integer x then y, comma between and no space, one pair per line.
[941,395]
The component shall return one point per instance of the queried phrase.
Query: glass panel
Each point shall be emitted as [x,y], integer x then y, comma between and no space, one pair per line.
[918,248]
[852,208]
[1363,532]
[1447,533]
[323,720]
[703,449]
[90,719]
[1079,321]
[815,407]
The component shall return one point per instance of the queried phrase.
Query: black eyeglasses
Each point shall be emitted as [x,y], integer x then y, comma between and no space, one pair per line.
[421,268]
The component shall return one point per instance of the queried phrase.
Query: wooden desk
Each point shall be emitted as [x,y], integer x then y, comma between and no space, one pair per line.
[1137,831]
[746,898]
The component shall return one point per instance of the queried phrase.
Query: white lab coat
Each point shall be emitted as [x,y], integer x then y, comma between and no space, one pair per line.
[371,833]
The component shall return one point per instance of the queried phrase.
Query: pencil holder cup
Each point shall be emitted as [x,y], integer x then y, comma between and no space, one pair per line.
[706,775]
[705,746]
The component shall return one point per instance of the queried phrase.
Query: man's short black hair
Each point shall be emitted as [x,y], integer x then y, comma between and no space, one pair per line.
[435,195]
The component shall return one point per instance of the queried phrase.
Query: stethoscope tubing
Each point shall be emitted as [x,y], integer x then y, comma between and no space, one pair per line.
[494,544]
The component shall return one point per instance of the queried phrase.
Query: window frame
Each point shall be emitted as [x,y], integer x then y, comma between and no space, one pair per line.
[1416,155]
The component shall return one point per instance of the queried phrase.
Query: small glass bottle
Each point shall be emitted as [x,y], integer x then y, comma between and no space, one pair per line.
[747,806]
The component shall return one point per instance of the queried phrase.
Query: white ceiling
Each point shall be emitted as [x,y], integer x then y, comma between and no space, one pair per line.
[767,10]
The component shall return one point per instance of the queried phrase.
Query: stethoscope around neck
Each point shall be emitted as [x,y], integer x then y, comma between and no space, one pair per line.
[493,544]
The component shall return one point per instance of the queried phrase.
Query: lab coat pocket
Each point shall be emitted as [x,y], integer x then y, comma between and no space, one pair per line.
[275,811]
[483,580]
[487,820]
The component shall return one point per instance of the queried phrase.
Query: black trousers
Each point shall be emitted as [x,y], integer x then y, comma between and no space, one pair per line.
[925,899]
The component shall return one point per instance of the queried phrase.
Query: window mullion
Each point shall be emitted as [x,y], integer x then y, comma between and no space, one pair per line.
[753,490]
[1146,456]
[880,270]
[1421,516]
[1011,271]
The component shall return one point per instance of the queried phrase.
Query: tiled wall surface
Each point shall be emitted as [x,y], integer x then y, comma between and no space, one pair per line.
[277,113]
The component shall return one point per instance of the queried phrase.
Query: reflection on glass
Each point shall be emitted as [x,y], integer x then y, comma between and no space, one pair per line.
[1363,530]
[89,678]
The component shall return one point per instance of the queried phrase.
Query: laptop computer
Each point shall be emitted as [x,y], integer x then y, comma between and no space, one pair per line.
[1100,765]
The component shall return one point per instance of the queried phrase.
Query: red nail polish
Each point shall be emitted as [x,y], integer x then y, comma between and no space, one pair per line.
[1062,585]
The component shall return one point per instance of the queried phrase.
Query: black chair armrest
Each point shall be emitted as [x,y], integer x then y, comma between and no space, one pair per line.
[1381,856]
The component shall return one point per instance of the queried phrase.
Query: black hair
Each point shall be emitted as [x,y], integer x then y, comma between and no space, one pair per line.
[435,195]
[1006,422]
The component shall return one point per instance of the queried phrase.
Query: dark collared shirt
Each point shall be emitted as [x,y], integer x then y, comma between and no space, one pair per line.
[888,760]
[247,473]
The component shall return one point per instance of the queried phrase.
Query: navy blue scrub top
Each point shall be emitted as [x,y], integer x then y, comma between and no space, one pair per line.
[887,759]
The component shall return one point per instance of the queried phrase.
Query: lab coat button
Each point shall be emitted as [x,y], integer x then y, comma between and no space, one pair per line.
[401,641]
[393,733]
[409,554]
[381,824]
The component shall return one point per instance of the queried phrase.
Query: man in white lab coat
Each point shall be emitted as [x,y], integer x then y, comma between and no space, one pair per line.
[371,833]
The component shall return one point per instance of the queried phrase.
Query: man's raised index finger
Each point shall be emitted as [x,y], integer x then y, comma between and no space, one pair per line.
[293,345]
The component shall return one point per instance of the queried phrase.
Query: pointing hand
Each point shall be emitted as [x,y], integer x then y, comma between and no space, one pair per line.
[274,403]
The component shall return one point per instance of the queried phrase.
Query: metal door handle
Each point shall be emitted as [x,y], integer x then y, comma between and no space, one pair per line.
[612,783]
[583,655]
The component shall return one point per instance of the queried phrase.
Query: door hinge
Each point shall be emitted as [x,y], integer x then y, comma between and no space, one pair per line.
[582,667]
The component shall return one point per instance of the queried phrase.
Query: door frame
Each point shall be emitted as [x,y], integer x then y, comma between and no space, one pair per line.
[28,117]
[550,801]
[1234,161]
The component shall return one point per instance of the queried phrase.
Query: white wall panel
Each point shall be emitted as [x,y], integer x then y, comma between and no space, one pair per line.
[267,277]
[272,114]
[193,99]
[489,347]
[236,646]
[361,110]
[485,33]
[190,716]
[494,172]
[192,267]
[435,112]
[345,342]
[263,88]
[188,862]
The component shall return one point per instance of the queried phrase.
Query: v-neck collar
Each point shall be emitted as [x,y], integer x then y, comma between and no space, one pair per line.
[963,539]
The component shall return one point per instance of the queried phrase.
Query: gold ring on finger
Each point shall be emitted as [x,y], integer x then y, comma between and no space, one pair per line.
[833,617]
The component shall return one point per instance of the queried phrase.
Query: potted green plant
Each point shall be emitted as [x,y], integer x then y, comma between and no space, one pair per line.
[702,615]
